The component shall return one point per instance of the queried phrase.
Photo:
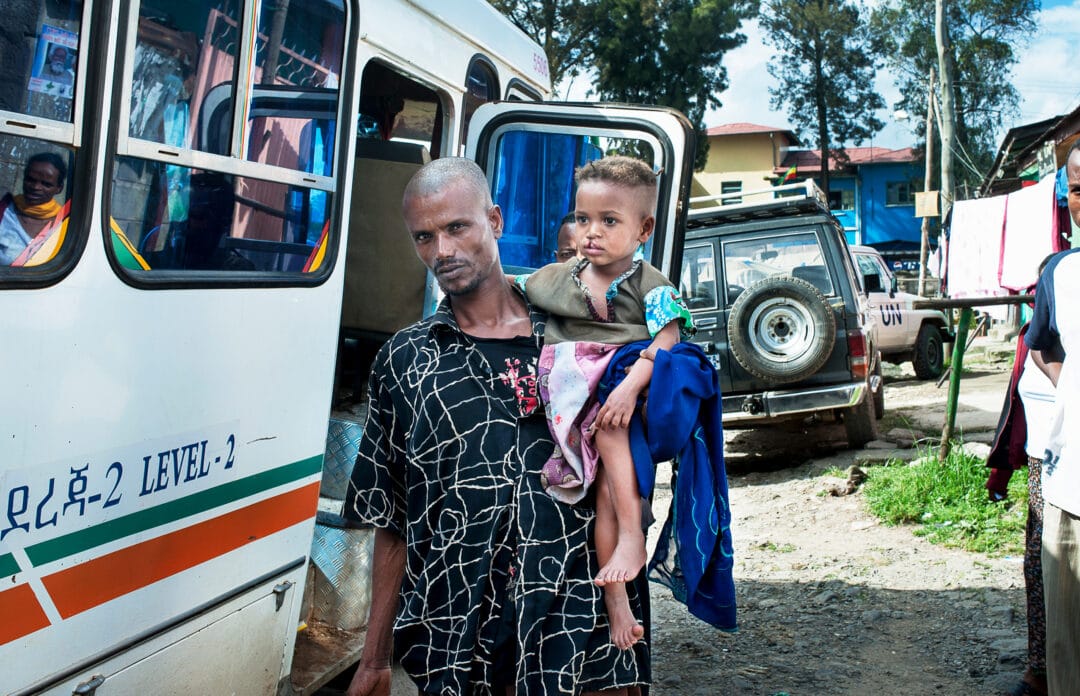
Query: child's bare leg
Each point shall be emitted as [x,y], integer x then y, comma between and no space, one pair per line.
[617,463]
[624,628]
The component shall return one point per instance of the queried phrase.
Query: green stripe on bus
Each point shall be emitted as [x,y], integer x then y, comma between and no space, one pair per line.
[8,565]
[76,542]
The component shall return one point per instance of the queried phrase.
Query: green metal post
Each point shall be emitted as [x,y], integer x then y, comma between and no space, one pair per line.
[954,380]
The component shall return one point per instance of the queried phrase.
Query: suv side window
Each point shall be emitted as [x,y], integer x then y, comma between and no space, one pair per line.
[798,255]
[698,281]
[870,265]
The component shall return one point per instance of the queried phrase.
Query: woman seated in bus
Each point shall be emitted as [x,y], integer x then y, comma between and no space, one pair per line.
[32,224]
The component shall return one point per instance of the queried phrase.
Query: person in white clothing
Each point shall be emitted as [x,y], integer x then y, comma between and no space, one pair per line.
[1055,334]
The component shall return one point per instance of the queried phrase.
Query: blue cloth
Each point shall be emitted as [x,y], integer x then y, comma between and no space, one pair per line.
[684,424]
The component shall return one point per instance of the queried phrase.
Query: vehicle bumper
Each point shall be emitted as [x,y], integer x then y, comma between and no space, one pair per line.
[772,404]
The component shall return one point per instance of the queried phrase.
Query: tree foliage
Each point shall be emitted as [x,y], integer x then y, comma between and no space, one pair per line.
[665,52]
[825,63]
[563,27]
[668,52]
[984,35]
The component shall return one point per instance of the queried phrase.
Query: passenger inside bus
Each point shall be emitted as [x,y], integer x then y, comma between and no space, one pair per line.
[32,223]
[197,242]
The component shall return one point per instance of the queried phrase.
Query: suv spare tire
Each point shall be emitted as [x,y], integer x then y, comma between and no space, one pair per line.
[781,329]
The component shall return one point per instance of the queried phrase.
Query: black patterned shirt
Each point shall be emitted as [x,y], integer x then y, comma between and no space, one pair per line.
[451,463]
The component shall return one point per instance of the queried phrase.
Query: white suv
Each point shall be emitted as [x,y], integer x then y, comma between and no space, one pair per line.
[904,333]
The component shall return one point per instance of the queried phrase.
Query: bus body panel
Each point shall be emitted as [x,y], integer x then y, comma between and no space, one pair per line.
[202,656]
[160,449]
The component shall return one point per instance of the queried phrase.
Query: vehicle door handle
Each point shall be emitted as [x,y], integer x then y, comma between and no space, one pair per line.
[705,323]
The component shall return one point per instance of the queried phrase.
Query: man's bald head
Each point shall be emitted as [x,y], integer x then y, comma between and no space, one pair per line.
[438,175]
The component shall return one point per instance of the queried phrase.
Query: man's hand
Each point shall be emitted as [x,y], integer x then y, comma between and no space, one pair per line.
[619,407]
[370,681]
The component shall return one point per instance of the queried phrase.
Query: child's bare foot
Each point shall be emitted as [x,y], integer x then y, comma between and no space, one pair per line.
[626,560]
[624,628]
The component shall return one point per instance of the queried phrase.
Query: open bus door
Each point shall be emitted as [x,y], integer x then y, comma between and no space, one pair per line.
[530,150]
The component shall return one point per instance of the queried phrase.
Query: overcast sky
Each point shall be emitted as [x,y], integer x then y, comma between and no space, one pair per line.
[1046,87]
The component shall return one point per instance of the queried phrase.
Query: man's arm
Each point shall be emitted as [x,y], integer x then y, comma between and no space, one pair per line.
[372,676]
[1049,361]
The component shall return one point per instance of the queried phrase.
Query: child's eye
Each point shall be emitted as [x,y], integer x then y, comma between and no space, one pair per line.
[609,221]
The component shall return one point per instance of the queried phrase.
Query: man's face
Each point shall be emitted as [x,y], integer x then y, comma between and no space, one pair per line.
[41,181]
[58,60]
[456,236]
[1072,170]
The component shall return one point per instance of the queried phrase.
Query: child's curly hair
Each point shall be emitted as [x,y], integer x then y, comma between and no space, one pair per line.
[617,169]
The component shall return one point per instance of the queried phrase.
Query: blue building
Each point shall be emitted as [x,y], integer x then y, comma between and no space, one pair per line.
[872,194]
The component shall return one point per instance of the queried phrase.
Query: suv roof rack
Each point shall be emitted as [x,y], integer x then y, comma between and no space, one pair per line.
[793,199]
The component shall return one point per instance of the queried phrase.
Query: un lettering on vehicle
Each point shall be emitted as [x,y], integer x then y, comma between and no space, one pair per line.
[891,314]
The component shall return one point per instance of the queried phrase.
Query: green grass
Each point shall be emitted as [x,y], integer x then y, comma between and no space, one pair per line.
[949,503]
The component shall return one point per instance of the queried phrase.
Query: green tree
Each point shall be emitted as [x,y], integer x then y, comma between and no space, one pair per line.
[667,52]
[984,36]
[562,27]
[826,63]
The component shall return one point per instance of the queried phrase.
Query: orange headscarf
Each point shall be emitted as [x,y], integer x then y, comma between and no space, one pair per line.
[41,211]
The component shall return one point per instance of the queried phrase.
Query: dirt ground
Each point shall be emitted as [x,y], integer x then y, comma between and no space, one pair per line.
[830,601]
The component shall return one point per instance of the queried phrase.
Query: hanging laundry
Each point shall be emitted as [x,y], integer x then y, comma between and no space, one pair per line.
[1028,235]
[975,247]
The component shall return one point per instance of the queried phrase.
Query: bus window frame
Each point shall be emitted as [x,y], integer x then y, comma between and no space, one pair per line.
[671,127]
[487,152]
[478,60]
[82,136]
[518,90]
[122,145]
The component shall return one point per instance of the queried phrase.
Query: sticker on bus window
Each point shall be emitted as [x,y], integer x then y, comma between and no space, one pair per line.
[53,72]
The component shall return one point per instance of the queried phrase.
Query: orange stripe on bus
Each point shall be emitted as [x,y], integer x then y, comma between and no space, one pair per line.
[103,579]
[22,613]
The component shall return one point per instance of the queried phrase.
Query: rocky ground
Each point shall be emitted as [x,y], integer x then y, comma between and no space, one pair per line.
[832,602]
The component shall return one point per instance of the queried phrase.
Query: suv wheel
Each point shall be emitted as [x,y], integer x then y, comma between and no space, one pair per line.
[781,329]
[860,424]
[929,359]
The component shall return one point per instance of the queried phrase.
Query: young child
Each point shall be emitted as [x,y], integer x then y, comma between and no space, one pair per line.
[597,303]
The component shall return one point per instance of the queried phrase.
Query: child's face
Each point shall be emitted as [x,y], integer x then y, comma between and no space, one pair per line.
[612,221]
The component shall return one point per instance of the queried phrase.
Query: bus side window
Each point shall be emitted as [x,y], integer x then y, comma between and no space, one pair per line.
[34,206]
[41,45]
[481,85]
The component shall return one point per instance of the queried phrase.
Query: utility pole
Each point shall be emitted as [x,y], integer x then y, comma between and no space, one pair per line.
[924,244]
[948,109]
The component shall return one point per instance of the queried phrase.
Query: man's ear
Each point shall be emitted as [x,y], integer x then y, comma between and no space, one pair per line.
[648,225]
[495,219]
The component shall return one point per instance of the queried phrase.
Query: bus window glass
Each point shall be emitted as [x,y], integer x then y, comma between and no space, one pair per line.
[35,190]
[297,63]
[225,223]
[481,86]
[40,46]
[185,73]
[533,183]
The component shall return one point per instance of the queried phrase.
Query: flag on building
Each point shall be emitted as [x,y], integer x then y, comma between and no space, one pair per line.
[789,175]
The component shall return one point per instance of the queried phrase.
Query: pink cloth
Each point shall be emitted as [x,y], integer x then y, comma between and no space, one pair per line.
[568,374]
[1029,234]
